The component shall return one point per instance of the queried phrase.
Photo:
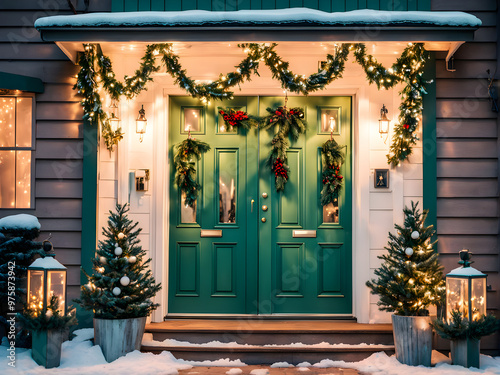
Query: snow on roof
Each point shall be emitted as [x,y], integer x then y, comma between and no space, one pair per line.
[48,262]
[20,221]
[259,17]
[465,271]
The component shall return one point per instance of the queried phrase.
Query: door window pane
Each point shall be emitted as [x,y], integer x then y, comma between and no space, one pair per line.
[331,212]
[228,172]
[188,214]
[329,121]
[192,120]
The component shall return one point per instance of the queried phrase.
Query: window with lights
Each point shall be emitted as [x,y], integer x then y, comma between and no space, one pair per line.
[16,151]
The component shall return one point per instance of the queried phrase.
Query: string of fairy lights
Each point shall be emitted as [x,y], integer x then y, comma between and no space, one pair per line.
[96,73]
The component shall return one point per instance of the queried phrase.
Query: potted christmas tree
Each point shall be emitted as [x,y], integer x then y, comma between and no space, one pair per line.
[121,288]
[409,281]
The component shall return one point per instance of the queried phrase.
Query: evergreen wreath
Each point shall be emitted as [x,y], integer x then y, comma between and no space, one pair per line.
[333,157]
[235,118]
[188,151]
[96,69]
[291,123]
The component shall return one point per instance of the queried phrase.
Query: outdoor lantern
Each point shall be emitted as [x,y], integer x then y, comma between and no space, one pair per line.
[141,123]
[114,119]
[46,278]
[466,290]
[383,122]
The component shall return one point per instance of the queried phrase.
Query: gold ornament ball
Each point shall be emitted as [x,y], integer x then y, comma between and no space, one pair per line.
[121,236]
[103,260]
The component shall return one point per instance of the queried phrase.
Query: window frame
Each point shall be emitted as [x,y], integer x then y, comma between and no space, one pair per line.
[16,94]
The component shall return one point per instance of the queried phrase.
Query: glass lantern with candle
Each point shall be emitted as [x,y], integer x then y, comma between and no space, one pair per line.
[466,290]
[46,278]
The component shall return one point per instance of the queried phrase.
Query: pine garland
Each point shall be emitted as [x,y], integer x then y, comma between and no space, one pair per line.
[291,124]
[333,158]
[234,118]
[408,69]
[188,151]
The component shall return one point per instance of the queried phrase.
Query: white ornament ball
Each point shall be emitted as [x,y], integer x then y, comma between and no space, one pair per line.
[48,314]
[121,235]
[132,259]
[415,234]
[116,291]
[116,244]
[103,260]
[409,251]
[125,281]
[118,251]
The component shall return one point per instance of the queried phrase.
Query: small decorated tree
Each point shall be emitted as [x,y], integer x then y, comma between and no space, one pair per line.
[121,288]
[411,277]
[410,280]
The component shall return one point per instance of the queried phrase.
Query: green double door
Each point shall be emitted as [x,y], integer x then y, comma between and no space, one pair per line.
[244,248]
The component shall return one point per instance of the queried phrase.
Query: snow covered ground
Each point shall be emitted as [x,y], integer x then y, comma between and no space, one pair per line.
[80,357]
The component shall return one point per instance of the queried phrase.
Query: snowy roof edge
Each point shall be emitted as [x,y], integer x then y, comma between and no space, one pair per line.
[261,17]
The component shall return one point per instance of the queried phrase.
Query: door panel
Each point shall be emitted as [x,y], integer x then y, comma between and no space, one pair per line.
[212,273]
[257,266]
[313,274]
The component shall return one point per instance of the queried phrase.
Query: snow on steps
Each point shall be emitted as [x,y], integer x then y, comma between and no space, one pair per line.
[266,342]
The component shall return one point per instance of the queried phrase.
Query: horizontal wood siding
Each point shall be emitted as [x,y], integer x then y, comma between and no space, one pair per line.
[231,5]
[468,152]
[59,139]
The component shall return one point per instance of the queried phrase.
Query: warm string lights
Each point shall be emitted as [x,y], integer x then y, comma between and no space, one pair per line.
[96,71]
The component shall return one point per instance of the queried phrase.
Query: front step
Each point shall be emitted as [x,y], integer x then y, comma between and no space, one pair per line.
[267,342]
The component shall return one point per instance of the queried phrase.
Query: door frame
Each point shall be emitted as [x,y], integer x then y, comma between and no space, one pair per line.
[360,190]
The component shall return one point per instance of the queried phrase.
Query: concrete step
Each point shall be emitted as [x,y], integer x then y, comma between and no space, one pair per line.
[266,341]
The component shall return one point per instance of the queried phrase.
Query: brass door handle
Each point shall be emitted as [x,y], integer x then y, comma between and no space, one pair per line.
[251,205]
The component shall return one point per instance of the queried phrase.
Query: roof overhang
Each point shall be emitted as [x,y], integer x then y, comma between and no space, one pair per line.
[443,29]
[17,82]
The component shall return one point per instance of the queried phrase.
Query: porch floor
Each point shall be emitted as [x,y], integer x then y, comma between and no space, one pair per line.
[268,326]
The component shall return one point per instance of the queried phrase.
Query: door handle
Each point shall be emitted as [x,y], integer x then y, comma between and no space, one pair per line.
[251,205]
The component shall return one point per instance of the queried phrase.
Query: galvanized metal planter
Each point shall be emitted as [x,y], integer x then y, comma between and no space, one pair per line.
[46,347]
[117,337]
[412,339]
[465,352]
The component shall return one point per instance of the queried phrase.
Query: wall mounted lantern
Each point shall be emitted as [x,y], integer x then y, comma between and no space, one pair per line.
[114,118]
[383,122]
[141,123]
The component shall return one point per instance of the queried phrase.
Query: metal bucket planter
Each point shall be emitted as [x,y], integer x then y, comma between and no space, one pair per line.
[46,347]
[412,339]
[465,352]
[117,337]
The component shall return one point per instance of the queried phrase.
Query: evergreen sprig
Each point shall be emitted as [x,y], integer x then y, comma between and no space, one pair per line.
[36,320]
[333,158]
[188,151]
[291,124]
[135,298]
[409,282]
[408,69]
[461,328]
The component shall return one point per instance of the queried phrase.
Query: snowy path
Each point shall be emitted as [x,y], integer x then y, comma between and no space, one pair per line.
[80,357]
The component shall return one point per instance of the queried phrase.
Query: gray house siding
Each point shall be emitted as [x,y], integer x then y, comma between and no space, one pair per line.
[467,152]
[59,140]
